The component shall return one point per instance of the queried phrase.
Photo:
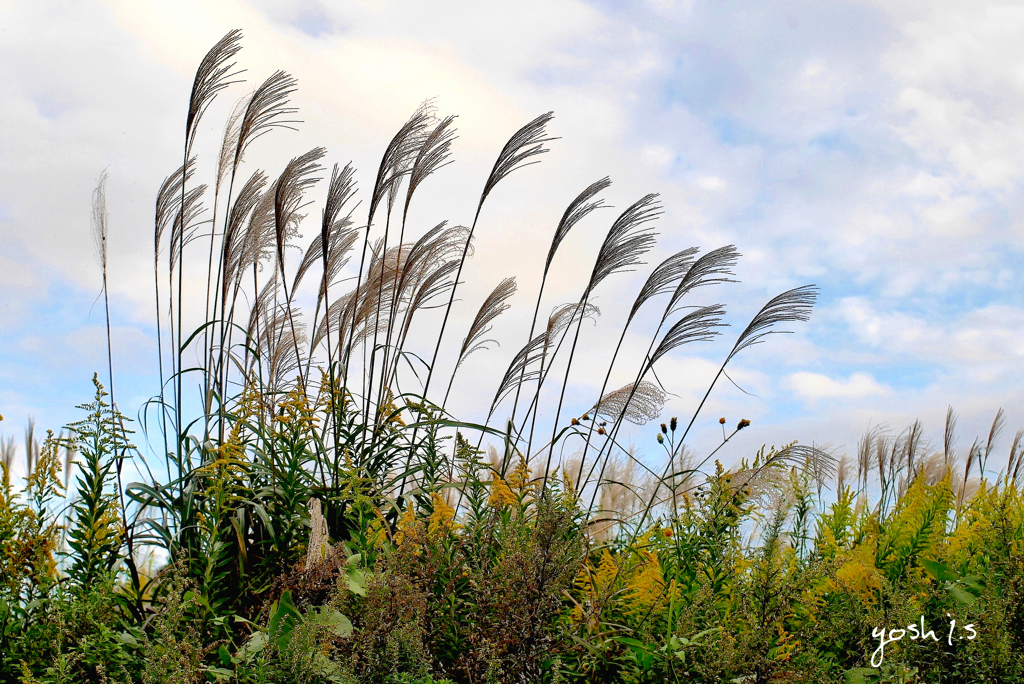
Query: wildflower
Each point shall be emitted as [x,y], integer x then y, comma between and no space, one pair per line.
[600,431]
[586,416]
[501,495]
[661,440]
[440,521]
[664,429]
[519,480]
[667,532]
[406,523]
[672,424]
[722,420]
[743,423]
[575,422]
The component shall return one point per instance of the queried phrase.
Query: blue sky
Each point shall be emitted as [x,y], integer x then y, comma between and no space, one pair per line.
[872,148]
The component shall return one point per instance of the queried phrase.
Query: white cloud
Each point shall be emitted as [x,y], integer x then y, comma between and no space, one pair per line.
[818,386]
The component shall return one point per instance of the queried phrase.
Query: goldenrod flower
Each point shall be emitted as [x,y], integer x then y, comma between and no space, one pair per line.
[501,495]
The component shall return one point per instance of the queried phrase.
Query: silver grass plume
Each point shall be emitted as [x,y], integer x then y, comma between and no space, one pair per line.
[949,436]
[912,444]
[436,283]
[99,235]
[31,446]
[973,455]
[663,278]
[335,313]
[519,370]
[335,237]
[864,459]
[528,142]
[370,299]
[279,342]
[1013,464]
[535,351]
[577,210]
[434,153]
[7,451]
[710,269]
[288,195]
[842,474]
[184,226]
[791,305]
[432,259]
[235,256]
[697,326]
[99,223]
[229,145]
[997,428]
[495,304]
[351,311]
[264,110]
[437,245]
[214,74]
[264,302]
[563,315]
[812,459]
[168,202]
[627,240]
[261,232]
[399,156]
[639,403]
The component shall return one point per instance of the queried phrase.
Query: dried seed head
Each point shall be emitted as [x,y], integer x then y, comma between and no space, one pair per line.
[721,420]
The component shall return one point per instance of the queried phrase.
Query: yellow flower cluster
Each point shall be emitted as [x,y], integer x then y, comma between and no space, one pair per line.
[441,521]
[501,495]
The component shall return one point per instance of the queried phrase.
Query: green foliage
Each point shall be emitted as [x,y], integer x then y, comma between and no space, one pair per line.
[95,534]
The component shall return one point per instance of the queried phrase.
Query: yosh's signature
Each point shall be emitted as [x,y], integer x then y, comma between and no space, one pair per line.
[915,633]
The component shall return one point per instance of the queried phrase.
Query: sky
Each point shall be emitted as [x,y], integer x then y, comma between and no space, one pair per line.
[875,149]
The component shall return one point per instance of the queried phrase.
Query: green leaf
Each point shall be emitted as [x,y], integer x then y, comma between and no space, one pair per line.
[283,617]
[357,581]
[937,570]
[256,643]
[961,595]
[862,675]
[333,620]
[977,584]
[221,674]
